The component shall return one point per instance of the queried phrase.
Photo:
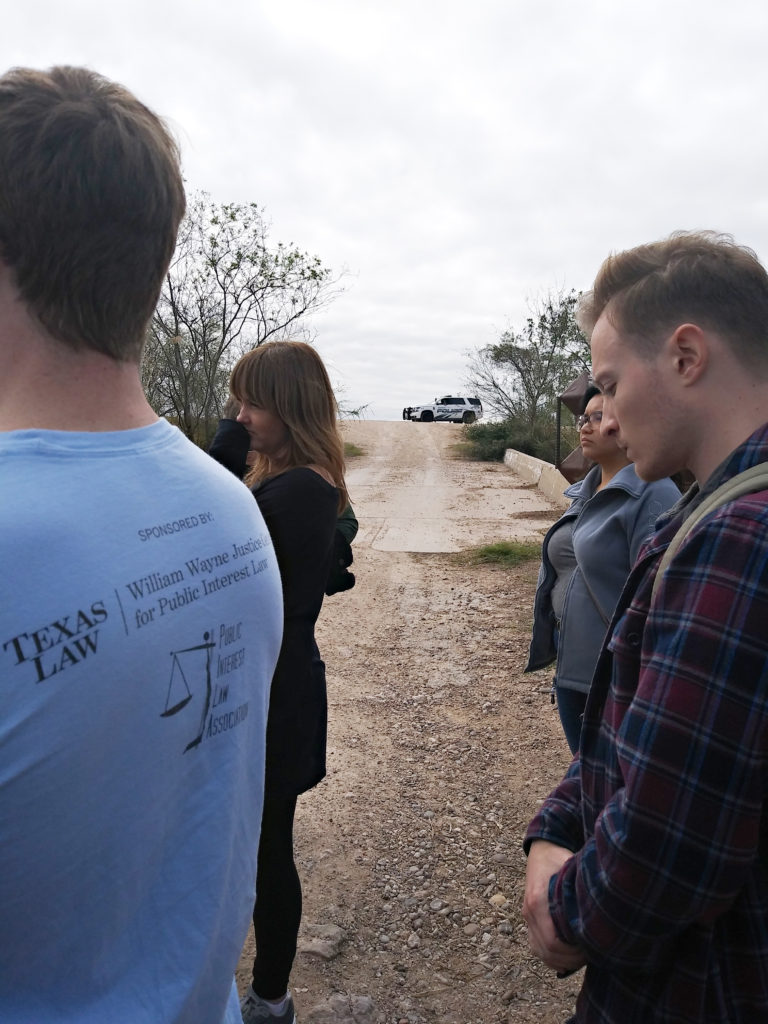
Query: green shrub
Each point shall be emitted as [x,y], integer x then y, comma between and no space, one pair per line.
[487,442]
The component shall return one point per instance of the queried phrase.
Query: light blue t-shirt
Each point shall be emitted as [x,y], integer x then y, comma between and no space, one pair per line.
[140,622]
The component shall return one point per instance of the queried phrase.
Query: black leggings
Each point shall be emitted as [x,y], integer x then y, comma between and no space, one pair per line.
[277,914]
[570,707]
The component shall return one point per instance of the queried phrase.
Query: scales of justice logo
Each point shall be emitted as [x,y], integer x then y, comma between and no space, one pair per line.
[196,660]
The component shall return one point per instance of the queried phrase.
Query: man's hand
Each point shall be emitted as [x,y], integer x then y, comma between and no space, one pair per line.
[544,860]
[231,408]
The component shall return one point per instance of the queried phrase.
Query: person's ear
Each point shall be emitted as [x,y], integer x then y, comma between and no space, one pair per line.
[688,350]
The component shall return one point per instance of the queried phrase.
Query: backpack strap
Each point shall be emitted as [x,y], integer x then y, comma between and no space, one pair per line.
[749,481]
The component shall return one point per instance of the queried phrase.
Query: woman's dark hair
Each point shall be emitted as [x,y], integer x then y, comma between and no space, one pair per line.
[589,394]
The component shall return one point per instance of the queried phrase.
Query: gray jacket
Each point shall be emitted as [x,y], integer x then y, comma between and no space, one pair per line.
[608,530]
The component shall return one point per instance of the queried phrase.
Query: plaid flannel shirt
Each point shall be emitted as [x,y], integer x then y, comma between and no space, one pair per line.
[668,891]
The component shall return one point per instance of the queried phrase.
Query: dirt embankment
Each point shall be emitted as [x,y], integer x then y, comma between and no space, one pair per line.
[439,749]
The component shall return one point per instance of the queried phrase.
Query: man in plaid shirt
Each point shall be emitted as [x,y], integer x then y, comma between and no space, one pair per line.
[646,863]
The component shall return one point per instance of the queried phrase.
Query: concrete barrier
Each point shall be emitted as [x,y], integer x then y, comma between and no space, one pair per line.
[550,481]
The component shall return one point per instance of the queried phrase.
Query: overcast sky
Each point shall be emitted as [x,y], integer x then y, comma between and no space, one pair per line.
[457,160]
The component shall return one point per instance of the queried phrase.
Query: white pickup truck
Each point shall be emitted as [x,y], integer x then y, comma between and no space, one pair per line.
[456,410]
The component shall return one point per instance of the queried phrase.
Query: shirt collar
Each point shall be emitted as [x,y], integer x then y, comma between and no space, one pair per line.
[626,480]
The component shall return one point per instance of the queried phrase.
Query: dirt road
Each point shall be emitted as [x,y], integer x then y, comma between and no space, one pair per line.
[415,496]
[439,749]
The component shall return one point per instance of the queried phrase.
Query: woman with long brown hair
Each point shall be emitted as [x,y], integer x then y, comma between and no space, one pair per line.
[296,458]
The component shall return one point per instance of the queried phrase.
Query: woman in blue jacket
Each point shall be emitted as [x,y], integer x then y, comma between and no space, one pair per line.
[585,560]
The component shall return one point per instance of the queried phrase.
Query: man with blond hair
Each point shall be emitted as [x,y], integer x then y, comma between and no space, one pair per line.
[649,862]
[141,614]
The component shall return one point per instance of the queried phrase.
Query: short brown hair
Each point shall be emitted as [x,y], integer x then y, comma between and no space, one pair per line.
[91,197]
[698,277]
[289,379]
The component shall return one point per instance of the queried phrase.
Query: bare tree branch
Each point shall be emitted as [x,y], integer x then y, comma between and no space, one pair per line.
[226,292]
[521,376]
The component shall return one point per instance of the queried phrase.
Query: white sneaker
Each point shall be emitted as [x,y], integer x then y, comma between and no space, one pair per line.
[255,1010]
